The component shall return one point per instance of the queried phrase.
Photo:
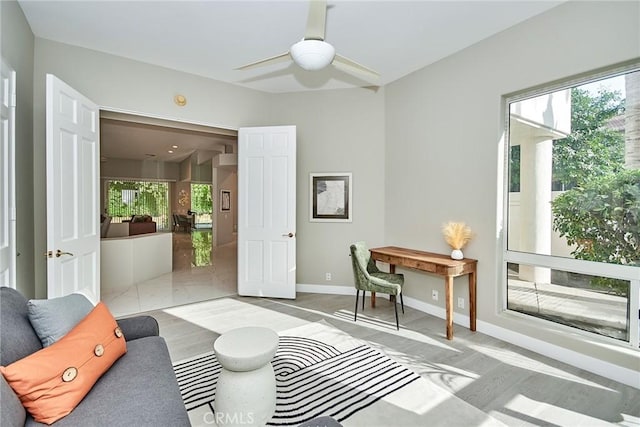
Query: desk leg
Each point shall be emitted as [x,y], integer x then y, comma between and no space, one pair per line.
[448,291]
[392,270]
[472,300]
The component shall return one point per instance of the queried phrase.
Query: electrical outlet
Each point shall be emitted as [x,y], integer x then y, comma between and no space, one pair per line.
[434,295]
[460,302]
[327,277]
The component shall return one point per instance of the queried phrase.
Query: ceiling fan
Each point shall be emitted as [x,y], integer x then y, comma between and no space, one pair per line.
[313,53]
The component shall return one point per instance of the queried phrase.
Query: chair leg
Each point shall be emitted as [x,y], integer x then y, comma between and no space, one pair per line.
[355,312]
[401,302]
[363,295]
[395,305]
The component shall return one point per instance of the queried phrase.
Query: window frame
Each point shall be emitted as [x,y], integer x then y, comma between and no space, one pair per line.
[625,272]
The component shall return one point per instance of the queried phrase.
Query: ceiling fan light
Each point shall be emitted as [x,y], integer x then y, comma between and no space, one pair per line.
[312,55]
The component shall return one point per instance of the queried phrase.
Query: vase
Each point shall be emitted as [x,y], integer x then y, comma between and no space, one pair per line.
[457,254]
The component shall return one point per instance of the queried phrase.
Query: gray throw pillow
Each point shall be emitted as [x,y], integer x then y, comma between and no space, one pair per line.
[53,318]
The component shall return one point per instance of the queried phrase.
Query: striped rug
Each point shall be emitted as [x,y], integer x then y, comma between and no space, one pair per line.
[314,376]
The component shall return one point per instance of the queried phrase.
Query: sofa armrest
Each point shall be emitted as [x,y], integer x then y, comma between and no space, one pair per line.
[139,327]
[12,413]
[323,421]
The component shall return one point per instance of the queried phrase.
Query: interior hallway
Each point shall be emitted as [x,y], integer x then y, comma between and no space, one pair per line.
[199,273]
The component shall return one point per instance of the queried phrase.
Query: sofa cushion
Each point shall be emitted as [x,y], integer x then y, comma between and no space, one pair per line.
[17,337]
[52,381]
[139,390]
[53,318]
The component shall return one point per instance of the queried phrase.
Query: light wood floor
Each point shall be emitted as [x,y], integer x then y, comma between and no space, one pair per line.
[516,386]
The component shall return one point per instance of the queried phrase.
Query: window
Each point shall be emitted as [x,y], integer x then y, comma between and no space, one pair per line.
[573,205]
[126,198]
[201,205]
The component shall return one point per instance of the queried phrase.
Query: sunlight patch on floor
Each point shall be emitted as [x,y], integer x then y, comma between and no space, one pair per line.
[524,362]
[542,413]
[225,314]
[630,420]
[380,325]
[449,377]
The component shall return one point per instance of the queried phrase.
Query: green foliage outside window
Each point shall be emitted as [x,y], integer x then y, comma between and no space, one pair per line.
[600,213]
[602,218]
[127,198]
[593,149]
[201,198]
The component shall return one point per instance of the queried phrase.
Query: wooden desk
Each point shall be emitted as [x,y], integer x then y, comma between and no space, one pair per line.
[439,264]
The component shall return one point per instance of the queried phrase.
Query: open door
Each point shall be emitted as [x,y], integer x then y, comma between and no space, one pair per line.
[267,211]
[7,177]
[73,224]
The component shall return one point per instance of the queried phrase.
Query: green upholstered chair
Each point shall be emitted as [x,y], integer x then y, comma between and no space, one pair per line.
[367,277]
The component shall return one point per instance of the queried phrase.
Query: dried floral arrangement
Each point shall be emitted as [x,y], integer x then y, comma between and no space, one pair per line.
[456,234]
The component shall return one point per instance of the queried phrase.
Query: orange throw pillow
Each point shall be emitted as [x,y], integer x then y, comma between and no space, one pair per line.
[51,382]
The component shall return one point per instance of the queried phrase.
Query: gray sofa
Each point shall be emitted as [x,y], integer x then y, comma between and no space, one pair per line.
[140,389]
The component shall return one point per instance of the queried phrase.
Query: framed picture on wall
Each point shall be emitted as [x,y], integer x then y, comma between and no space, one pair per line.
[225,200]
[330,197]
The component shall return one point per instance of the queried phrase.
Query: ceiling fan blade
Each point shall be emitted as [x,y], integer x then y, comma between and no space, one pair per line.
[317,20]
[268,61]
[355,69]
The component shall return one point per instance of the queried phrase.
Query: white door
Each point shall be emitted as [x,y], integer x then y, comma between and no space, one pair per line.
[267,211]
[73,223]
[7,176]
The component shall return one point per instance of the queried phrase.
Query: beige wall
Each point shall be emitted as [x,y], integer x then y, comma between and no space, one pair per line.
[227,179]
[444,128]
[140,169]
[17,48]
[337,131]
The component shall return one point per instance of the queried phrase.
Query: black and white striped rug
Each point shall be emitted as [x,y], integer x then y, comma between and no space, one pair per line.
[313,378]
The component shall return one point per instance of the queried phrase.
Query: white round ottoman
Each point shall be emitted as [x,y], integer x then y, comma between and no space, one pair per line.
[246,389]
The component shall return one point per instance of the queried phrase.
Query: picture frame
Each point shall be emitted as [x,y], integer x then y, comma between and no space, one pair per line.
[330,197]
[225,200]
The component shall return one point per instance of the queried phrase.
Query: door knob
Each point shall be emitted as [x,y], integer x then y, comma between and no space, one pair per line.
[59,253]
[288,235]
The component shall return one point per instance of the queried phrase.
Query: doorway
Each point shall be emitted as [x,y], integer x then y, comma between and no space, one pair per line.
[191,162]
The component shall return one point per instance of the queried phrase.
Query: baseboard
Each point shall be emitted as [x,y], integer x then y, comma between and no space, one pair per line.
[458,318]
[326,289]
[579,360]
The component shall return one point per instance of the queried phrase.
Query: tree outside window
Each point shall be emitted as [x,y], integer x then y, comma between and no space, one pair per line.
[127,198]
[574,196]
[202,204]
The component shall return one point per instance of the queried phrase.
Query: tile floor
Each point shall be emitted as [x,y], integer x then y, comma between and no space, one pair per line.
[200,273]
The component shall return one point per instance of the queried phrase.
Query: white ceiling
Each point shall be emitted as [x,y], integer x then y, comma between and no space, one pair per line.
[125,136]
[212,38]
